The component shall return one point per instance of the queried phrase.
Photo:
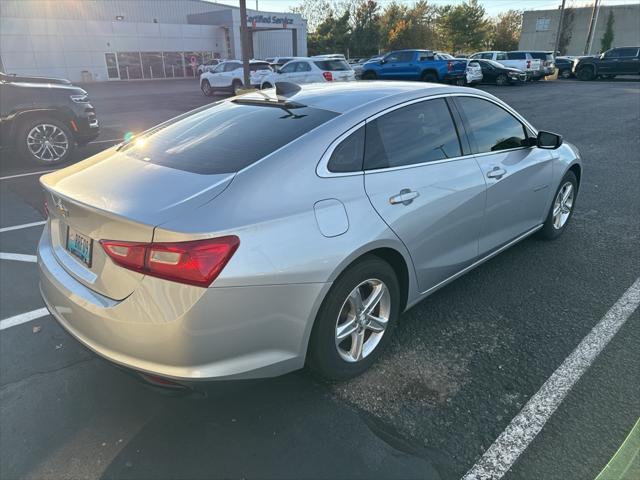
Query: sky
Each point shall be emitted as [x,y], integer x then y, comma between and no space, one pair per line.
[493,7]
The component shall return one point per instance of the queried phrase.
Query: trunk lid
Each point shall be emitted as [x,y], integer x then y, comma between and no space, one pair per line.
[115,197]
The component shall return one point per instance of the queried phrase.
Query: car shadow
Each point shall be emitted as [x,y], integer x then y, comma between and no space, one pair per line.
[285,427]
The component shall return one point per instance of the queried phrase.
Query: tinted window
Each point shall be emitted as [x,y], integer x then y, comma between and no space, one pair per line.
[501,56]
[399,57]
[288,68]
[231,66]
[417,133]
[347,156]
[224,137]
[333,65]
[487,56]
[254,67]
[303,67]
[492,128]
[627,52]
[516,55]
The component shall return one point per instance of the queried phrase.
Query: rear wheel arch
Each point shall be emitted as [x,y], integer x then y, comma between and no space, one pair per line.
[394,258]
[429,74]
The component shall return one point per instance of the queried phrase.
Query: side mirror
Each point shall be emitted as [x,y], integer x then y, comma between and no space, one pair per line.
[548,140]
[382,61]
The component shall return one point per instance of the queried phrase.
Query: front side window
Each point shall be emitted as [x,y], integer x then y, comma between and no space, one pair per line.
[303,67]
[627,52]
[231,66]
[418,133]
[491,128]
[289,67]
[347,156]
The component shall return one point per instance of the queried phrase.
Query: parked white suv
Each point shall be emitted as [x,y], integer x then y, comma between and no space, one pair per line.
[311,70]
[520,60]
[228,76]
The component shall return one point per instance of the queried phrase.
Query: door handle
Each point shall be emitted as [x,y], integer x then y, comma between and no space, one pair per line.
[405,197]
[496,173]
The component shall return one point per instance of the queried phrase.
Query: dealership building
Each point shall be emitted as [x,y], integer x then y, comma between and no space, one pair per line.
[540,27]
[100,40]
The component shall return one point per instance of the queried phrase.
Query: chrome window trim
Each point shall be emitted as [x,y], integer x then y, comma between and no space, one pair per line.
[323,171]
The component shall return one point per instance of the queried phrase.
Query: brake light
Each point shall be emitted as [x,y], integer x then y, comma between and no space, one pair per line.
[197,262]
[449,66]
[327,76]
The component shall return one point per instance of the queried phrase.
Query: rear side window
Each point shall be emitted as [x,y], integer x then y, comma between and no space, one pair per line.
[501,56]
[215,139]
[516,55]
[303,67]
[491,128]
[347,156]
[332,65]
[418,133]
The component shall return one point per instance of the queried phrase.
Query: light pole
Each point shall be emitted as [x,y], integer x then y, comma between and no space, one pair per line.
[244,42]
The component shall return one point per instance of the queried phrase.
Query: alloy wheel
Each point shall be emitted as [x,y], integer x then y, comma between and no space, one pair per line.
[362,320]
[562,205]
[48,143]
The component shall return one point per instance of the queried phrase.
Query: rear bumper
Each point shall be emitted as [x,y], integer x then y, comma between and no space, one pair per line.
[183,332]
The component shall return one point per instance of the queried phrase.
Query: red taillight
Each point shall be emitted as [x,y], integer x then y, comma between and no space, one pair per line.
[198,262]
[328,76]
[449,66]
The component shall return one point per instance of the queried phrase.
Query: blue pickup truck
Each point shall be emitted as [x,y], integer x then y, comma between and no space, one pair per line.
[414,65]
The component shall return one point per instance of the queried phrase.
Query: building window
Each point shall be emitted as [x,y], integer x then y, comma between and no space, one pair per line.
[112,66]
[542,24]
[130,65]
[173,64]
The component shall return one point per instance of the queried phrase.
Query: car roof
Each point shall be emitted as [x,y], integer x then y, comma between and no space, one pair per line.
[342,97]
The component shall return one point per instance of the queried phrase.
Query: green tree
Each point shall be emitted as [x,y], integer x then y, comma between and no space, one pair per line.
[607,39]
[506,30]
[332,35]
[365,35]
[464,27]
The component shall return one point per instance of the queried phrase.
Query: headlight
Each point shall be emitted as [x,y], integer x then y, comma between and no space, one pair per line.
[512,74]
[80,98]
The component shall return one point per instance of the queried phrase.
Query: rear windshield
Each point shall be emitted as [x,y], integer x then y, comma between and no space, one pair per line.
[332,65]
[542,56]
[255,67]
[224,137]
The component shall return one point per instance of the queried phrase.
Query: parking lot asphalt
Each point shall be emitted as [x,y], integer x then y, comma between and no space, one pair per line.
[462,363]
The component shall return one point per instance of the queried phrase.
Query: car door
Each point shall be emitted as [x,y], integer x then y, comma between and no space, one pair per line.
[398,66]
[424,188]
[628,63]
[288,73]
[518,175]
[489,73]
[608,63]
[304,73]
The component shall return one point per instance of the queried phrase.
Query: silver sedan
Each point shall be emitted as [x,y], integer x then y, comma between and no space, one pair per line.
[292,227]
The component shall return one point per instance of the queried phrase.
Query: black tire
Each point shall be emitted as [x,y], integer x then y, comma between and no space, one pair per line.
[536,79]
[586,74]
[461,82]
[205,86]
[369,75]
[44,124]
[323,357]
[429,77]
[566,73]
[266,85]
[549,231]
[502,80]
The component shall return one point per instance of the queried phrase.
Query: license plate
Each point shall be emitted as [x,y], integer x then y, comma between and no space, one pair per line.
[79,245]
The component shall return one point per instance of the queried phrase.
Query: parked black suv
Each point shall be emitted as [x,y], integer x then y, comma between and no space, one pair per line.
[44,118]
[617,61]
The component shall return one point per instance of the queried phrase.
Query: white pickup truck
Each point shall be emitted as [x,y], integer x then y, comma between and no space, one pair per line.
[523,61]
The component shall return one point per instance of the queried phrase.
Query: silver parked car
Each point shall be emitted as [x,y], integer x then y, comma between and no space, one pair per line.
[286,227]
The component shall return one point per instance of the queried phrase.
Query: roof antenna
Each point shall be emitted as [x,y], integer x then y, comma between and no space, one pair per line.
[285,90]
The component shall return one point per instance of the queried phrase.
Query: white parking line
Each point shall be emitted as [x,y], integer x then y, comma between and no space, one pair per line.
[9,177]
[18,257]
[503,453]
[23,318]
[20,227]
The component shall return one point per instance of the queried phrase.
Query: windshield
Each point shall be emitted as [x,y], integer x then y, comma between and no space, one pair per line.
[213,140]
